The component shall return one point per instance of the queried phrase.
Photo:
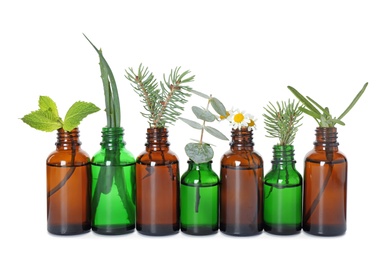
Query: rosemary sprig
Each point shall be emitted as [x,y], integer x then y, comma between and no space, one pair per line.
[282,121]
[322,115]
[163,104]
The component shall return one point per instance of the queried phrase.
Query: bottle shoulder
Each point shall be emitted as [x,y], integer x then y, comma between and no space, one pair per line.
[159,156]
[245,157]
[322,155]
[104,155]
[65,157]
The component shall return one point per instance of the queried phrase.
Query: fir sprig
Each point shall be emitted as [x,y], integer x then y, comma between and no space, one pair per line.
[163,104]
[282,121]
[322,115]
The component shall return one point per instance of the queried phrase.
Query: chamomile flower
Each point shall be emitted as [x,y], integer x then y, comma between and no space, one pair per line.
[252,122]
[238,119]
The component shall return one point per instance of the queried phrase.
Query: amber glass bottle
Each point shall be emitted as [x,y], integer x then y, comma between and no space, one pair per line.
[325,186]
[241,185]
[113,185]
[68,186]
[157,186]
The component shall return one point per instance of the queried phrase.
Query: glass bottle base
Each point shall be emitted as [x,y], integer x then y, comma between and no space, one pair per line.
[325,230]
[278,229]
[113,229]
[199,230]
[66,230]
[158,230]
[240,230]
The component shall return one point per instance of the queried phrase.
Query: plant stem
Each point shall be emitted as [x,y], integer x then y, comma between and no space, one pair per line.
[69,173]
[329,156]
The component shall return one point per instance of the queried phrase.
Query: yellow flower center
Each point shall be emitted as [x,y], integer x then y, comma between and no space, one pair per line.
[224,117]
[239,117]
[251,123]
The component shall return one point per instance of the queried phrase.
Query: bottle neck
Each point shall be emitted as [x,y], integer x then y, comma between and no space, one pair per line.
[68,140]
[157,139]
[242,139]
[326,139]
[112,138]
[283,155]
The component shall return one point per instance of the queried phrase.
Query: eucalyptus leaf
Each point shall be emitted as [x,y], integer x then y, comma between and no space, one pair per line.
[203,114]
[218,106]
[199,153]
[216,133]
[191,123]
[200,94]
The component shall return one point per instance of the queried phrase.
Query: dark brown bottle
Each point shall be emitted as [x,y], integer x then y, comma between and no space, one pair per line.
[241,198]
[325,186]
[68,186]
[157,186]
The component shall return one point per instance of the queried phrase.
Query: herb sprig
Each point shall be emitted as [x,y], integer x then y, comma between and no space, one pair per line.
[47,118]
[163,104]
[322,115]
[282,121]
[201,152]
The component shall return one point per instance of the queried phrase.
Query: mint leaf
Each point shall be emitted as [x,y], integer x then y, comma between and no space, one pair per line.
[42,120]
[77,112]
[46,103]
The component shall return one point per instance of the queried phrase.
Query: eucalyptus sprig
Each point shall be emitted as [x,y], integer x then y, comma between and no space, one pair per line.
[163,103]
[47,118]
[322,115]
[282,121]
[199,151]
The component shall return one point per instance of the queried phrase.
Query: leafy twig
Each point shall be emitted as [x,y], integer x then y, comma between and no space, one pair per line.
[201,152]
[324,119]
[165,104]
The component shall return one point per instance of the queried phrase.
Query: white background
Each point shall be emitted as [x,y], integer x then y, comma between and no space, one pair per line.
[245,53]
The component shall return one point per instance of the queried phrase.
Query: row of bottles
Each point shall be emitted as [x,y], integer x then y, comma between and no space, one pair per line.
[122,193]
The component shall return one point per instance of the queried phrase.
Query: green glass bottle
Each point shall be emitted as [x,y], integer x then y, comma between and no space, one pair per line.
[113,185]
[283,194]
[199,199]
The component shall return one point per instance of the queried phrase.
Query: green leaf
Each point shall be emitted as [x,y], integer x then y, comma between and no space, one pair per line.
[191,123]
[304,101]
[42,120]
[354,101]
[203,114]
[113,112]
[199,153]
[200,94]
[218,106]
[77,112]
[46,103]
[215,133]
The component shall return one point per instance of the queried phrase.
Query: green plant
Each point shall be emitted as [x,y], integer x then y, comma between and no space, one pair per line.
[281,121]
[165,104]
[47,119]
[201,152]
[113,115]
[322,115]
